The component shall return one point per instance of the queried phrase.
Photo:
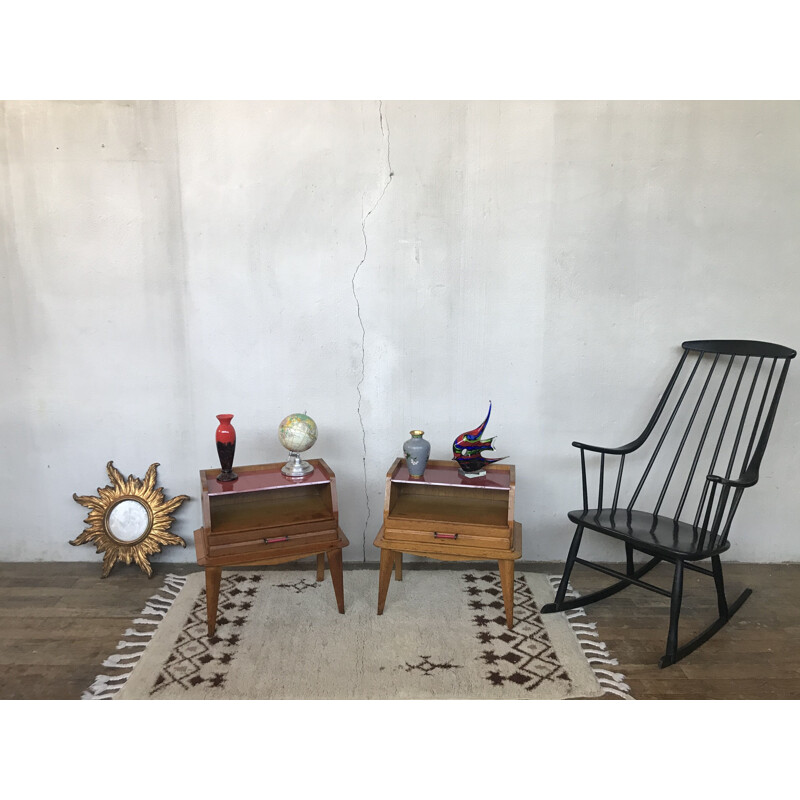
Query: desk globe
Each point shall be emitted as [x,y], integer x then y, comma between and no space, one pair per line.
[297,433]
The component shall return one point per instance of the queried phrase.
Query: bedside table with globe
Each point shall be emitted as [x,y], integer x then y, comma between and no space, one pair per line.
[265,517]
[269,513]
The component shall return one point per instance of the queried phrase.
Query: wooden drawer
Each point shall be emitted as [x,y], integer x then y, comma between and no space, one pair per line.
[216,539]
[409,508]
[493,532]
[256,547]
[440,537]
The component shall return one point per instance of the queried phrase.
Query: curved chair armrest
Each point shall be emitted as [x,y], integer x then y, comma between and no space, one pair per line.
[614,451]
[741,482]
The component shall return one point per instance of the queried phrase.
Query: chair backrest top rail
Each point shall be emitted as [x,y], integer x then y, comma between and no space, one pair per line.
[740,347]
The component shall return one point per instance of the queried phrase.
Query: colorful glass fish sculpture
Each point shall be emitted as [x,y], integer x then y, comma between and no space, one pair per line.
[468,448]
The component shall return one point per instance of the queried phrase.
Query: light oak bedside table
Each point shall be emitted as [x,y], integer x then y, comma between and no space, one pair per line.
[446,516]
[264,517]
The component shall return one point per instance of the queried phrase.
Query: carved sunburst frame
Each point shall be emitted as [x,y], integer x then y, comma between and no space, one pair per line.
[156,534]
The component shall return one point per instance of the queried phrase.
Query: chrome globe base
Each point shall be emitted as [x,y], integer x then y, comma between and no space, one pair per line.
[295,467]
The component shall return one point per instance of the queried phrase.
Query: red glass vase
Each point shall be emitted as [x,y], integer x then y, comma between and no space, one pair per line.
[226,445]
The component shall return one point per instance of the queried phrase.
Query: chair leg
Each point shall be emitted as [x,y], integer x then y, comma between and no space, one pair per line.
[722,602]
[670,657]
[629,559]
[560,604]
[557,605]
[726,612]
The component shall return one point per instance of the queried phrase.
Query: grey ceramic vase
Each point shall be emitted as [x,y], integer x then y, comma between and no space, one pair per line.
[416,451]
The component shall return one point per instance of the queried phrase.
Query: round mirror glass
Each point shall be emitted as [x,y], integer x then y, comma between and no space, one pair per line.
[128,520]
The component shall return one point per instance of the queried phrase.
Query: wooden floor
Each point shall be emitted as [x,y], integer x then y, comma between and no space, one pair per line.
[59,621]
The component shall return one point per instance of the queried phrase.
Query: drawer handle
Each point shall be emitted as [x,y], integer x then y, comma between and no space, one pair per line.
[445,535]
[276,539]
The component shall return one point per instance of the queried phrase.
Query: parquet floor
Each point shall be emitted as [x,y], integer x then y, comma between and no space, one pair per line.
[59,621]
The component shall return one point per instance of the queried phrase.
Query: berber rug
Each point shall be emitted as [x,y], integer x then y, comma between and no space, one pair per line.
[279,636]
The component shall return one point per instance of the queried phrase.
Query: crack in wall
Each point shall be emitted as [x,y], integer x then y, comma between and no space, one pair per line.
[365,217]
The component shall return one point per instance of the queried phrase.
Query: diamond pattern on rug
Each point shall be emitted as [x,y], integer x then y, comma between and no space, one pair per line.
[428,667]
[198,659]
[298,586]
[523,655]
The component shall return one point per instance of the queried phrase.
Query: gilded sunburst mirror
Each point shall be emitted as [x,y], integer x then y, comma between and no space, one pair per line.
[129,520]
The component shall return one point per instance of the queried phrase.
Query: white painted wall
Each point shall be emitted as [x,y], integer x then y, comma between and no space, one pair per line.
[165,262]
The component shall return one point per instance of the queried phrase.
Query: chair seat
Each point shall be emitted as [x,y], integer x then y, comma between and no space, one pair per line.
[651,533]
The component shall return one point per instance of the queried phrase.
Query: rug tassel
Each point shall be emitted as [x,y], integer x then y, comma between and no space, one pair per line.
[134,632]
[599,655]
[612,662]
[163,600]
[107,694]
[614,683]
[155,610]
[104,680]
[122,660]
[172,585]
[104,687]
[617,677]
[596,652]
[590,643]
[587,651]
[612,689]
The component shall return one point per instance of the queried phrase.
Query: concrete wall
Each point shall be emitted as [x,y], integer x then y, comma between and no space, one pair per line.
[164,262]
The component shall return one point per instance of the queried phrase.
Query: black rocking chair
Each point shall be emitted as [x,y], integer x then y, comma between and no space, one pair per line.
[684,494]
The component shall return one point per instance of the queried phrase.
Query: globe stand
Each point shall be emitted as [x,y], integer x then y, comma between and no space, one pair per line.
[295,467]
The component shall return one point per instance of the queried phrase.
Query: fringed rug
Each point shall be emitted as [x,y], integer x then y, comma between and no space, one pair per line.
[279,636]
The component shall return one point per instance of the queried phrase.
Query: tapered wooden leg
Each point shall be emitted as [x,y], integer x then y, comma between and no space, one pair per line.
[384,576]
[213,577]
[320,566]
[398,566]
[506,566]
[335,566]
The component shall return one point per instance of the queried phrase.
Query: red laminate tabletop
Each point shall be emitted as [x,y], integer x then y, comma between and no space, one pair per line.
[436,475]
[262,477]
